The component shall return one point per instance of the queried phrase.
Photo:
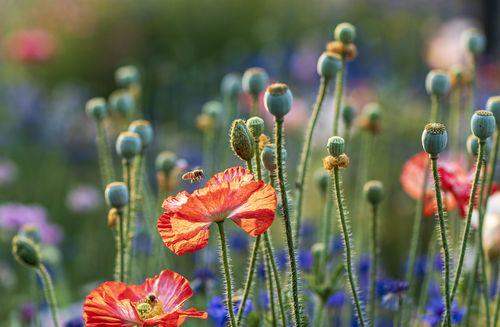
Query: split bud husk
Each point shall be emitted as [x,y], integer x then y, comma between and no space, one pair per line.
[26,251]
[113,217]
[241,140]
[348,51]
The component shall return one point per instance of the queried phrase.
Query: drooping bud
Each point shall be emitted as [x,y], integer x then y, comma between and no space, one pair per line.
[278,100]
[144,130]
[122,102]
[335,146]
[329,64]
[25,251]
[165,162]
[493,105]
[96,108]
[254,81]
[256,126]
[437,83]
[116,195]
[434,138]
[345,32]
[374,192]
[348,115]
[231,86]
[128,145]
[474,41]
[268,156]
[241,140]
[483,124]
[127,75]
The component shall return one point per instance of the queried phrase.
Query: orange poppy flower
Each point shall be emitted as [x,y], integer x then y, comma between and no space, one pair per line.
[233,193]
[156,302]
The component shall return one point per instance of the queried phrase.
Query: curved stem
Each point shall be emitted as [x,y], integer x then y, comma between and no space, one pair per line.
[50,295]
[443,230]
[305,154]
[346,233]
[249,279]
[373,264]
[288,226]
[471,291]
[227,274]
[339,93]
[270,284]
[276,276]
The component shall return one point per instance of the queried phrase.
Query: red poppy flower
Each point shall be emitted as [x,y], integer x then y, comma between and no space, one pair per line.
[233,193]
[455,183]
[156,302]
[31,46]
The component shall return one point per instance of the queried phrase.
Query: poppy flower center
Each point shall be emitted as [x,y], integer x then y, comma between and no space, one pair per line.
[150,307]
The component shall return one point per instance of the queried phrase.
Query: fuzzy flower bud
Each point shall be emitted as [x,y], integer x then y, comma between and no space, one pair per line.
[231,86]
[345,32]
[96,108]
[268,157]
[474,41]
[241,140]
[437,83]
[374,192]
[483,124]
[335,146]
[434,138]
[144,130]
[127,75]
[256,126]
[128,145]
[328,65]
[278,100]
[348,115]
[165,162]
[493,105]
[25,251]
[116,195]
[122,102]
[254,81]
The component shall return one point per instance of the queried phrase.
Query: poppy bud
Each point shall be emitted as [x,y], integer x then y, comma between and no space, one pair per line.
[213,109]
[30,231]
[127,75]
[493,105]
[231,86]
[348,115]
[128,145]
[482,124]
[116,195]
[96,108]
[345,32]
[434,138]
[278,100]
[256,126]
[335,146]
[25,251]
[437,83]
[122,102]
[473,146]
[241,140]
[328,65]
[165,162]
[474,41]
[268,157]
[321,177]
[254,80]
[144,130]
[374,192]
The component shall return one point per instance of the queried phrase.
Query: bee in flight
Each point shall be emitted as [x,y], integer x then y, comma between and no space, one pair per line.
[194,175]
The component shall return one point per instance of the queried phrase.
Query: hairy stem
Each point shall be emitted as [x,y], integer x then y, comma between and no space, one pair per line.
[50,295]
[276,276]
[120,254]
[339,93]
[227,274]
[373,264]
[249,279]
[104,155]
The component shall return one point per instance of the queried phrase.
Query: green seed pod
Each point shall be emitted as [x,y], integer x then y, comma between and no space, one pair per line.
[128,145]
[116,195]
[122,102]
[493,105]
[322,178]
[483,124]
[348,115]
[254,81]
[268,157]
[335,146]
[144,130]
[25,251]
[165,162]
[472,145]
[30,231]
[328,65]
[278,100]
[96,108]
[437,82]
[434,138]
[374,192]
[241,140]
[231,86]
[213,109]
[345,32]
[256,126]
[127,75]
[474,41]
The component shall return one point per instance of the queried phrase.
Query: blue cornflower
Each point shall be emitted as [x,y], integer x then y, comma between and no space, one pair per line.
[305,260]
[364,265]
[203,279]
[337,244]
[261,271]
[307,232]
[336,300]
[391,291]
[142,242]
[421,266]
[75,322]
[438,262]
[264,300]
[238,242]
[282,259]
[217,310]
[435,310]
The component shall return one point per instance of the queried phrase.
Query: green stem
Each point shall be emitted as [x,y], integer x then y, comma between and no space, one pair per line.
[434,108]
[497,294]
[270,284]
[249,279]
[373,264]
[327,231]
[50,295]
[105,162]
[344,224]
[288,226]
[320,311]
[305,155]
[471,291]
[339,92]
[454,119]
[254,111]
[272,261]
[468,219]
[443,230]
[227,274]
[127,176]
[120,262]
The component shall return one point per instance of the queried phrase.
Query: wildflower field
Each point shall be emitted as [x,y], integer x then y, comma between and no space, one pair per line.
[260,163]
